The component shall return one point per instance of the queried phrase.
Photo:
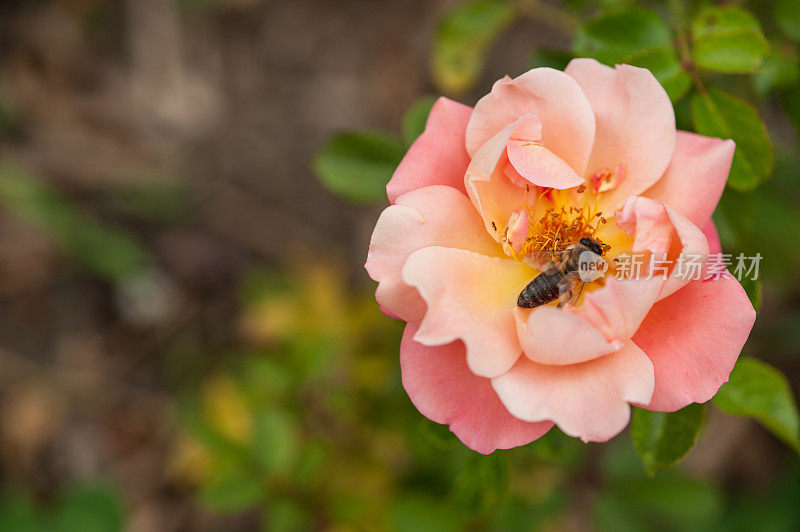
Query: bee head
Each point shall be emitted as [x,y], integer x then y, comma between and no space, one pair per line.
[592,244]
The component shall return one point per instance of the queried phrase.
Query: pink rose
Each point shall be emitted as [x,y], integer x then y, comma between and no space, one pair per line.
[541,161]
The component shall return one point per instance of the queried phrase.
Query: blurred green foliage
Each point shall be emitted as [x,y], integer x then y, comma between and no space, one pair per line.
[84,507]
[663,438]
[758,390]
[107,252]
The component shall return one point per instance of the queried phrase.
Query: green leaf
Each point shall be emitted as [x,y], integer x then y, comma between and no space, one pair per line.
[545,57]
[415,119]
[89,508]
[636,37]
[727,39]
[663,438]
[106,252]
[720,114]
[462,38]
[423,514]
[231,489]
[357,165]
[756,389]
[779,71]
[610,38]
[275,442]
[17,513]
[787,16]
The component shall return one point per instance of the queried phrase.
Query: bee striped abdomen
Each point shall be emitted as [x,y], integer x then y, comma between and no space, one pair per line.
[542,290]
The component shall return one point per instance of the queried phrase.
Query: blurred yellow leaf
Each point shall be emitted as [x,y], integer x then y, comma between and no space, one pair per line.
[226,409]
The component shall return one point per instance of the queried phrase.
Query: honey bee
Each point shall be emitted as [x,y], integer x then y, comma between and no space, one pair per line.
[559,278]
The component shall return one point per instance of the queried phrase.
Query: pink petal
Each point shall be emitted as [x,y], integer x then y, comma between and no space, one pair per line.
[660,229]
[540,166]
[436,215]
[588,400]
[565,113]
[696,176]
[494,196]
[635,125]
[550,335]
[693,338]
[619,307]
[710,230]
[444,390]
[470,297]
[438,156]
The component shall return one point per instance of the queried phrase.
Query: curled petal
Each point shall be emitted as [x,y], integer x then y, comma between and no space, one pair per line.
[494,196]
[587,400]
[550,335]
[470,297]
[696,176]
[618,308]
[635,125]
[540,166]
[710,230]
[444,390]
[438,156]
[436,215]
[693,338]
[666,233]
[566,116]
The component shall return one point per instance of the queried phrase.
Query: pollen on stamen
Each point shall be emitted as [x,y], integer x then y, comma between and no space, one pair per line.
[559,227]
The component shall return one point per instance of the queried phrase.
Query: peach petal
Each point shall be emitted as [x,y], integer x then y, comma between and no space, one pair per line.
[635,125]
[696,176]
[662,230]
[541,167]
[438,156]
[550,335]
[436,215]
[618,308]
[494,196]
[444,390]
[587,400]
[566,116]
[693,338]
[470,297]
[516,231]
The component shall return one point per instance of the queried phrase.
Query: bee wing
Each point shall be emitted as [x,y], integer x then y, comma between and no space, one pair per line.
[570,288]
[542,260]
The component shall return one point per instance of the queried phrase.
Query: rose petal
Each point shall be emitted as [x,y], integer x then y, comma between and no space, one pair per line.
[436,215]
[540,166]
[696,176]
[470,297]
[438,156]
[444,390]
[619,307]
[693,338]
[660,229]
[635,125]
[566,116]
[550,335]
[710,230]
[494,196]
[588,400]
